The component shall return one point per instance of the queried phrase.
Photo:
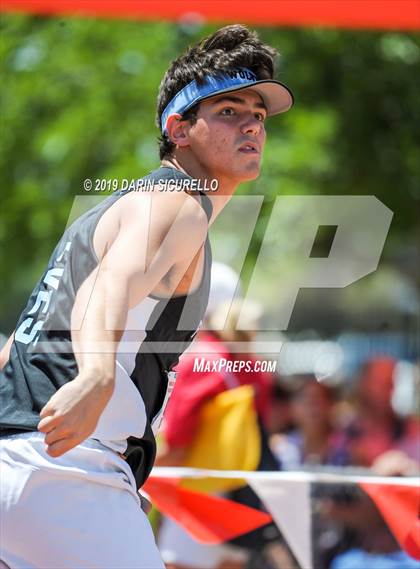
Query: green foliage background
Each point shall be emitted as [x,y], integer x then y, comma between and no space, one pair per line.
[78,101]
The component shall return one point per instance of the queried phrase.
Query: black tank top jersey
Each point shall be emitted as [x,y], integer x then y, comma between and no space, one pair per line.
[157,331]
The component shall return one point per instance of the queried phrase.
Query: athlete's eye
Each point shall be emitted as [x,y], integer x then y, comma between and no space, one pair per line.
[227,111]
[260,116]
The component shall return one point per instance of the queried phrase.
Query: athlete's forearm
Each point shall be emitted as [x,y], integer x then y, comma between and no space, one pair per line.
[95,342]
[72,413]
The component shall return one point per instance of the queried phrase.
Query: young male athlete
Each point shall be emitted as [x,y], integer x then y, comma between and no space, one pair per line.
[88,371]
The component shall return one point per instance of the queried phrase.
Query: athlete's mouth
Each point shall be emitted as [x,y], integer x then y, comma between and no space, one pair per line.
[249,148]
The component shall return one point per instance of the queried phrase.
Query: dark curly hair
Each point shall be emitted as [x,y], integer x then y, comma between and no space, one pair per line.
[225,50]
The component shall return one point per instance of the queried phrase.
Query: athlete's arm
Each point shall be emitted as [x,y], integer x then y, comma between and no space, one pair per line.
[5,351]
[144,250]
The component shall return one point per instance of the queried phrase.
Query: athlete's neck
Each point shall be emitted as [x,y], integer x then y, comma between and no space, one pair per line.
[219,197]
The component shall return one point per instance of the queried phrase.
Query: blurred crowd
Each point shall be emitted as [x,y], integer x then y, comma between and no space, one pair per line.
[369,423]
[318,423]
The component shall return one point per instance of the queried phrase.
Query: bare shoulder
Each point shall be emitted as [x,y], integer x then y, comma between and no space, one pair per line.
[165,210]
[173,219]
[154,217]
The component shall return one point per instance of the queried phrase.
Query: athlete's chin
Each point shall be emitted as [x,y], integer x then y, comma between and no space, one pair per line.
[251,172]
[244,172]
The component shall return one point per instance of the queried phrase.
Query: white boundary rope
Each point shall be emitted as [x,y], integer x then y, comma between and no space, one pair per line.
[324,477]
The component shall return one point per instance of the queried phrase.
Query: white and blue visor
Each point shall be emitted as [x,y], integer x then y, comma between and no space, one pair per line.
[276,97]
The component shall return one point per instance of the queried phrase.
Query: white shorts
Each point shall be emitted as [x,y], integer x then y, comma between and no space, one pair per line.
[78,511]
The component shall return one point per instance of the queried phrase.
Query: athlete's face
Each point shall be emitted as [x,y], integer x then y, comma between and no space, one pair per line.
[228,137]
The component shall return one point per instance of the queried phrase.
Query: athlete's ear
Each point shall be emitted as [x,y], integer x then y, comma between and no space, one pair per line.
[177,130]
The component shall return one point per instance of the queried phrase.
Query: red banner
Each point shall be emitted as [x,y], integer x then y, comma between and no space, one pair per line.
[400,508]
[209,519]
[379,14]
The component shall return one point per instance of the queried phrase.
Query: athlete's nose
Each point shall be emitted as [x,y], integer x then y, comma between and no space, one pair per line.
[251,126]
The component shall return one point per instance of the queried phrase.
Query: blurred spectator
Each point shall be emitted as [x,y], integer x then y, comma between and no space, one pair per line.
[194,387]
[406,403]
[395,463]
[377,428]
[404,459]
[372,544]
[280,418]
[314,441]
